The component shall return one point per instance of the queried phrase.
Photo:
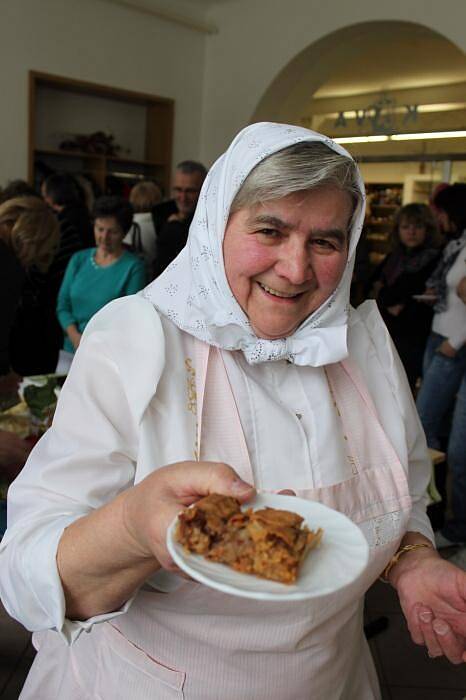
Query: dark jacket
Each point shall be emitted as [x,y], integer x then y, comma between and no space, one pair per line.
[410,328]
[77,217]
[11,283]
[161,213]
[171,239]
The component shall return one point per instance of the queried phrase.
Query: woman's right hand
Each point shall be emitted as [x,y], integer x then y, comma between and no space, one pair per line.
[106,555]
[150,506]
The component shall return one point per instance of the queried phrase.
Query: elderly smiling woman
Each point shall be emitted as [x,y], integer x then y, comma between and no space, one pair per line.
[240,368]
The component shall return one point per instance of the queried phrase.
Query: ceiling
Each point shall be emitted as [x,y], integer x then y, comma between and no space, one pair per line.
[413,57]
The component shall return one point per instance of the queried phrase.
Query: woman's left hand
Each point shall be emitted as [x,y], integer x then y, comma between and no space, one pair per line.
[432,594]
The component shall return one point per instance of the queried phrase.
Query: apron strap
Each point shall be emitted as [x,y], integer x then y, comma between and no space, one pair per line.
[219,430]
[362,429]
[201,358]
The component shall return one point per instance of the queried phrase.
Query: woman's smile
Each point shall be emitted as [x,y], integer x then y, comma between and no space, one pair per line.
[279,296]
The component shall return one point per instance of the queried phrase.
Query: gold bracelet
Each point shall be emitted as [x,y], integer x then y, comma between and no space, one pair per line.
[398,554]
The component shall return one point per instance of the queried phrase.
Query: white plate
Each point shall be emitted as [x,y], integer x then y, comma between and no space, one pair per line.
[339,560]
[425,297]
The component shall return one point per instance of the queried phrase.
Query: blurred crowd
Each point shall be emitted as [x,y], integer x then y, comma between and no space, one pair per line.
[64,254]
[420,289]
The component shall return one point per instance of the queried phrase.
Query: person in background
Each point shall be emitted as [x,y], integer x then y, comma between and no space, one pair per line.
[433,196]
[28,242]
[97,275]
[454,528]
[445,356]
[17,188]
[28,239]
[64,197]
[400,277]
[141,238]
[63,194]
[172,219]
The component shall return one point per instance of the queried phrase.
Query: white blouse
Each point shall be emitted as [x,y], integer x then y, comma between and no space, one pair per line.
[127,409]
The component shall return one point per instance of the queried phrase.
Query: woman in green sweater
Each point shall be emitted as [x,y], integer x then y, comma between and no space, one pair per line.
[95,276]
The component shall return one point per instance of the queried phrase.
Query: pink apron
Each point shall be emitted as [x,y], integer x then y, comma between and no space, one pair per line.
[199,644]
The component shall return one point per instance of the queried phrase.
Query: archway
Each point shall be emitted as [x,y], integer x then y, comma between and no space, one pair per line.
[298,82]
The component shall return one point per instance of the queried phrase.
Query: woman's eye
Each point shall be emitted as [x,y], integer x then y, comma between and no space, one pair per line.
[323,243]
[269,233]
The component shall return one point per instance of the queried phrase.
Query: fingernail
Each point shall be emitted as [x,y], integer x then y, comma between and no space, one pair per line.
[240,486]
[425,616]
[440,627]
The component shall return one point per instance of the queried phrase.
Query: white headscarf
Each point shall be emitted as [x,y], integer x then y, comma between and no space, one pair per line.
[193,291]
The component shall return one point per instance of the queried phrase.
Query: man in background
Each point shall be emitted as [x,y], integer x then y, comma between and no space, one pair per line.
[65,196]
[173,218]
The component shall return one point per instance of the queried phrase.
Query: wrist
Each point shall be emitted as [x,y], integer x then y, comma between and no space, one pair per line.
[131,530]
[408,561]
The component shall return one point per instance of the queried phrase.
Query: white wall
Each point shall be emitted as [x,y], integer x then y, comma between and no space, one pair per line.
[95,41]
[258,38]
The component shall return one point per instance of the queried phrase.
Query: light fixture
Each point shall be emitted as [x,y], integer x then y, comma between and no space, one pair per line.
[403,137]
[360,139]
[429,135]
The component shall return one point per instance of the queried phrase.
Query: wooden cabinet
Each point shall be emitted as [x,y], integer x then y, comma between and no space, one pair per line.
[61,108]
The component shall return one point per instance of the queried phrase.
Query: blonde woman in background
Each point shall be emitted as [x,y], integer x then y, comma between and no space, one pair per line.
[28,241]
[142,237]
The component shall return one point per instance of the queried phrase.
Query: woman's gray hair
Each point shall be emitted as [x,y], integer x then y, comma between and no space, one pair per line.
[303,166]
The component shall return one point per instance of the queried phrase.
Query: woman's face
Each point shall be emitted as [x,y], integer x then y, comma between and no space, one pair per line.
[446,225]
[108,235]
[285,257]
[412,233]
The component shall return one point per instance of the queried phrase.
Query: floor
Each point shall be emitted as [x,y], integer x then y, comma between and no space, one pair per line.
[405,671]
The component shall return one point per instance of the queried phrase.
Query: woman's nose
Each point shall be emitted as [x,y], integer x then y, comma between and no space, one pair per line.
[295,266]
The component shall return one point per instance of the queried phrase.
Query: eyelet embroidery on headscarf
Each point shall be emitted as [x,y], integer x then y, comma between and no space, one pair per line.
[202,291]
[173,316]
[171,289]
